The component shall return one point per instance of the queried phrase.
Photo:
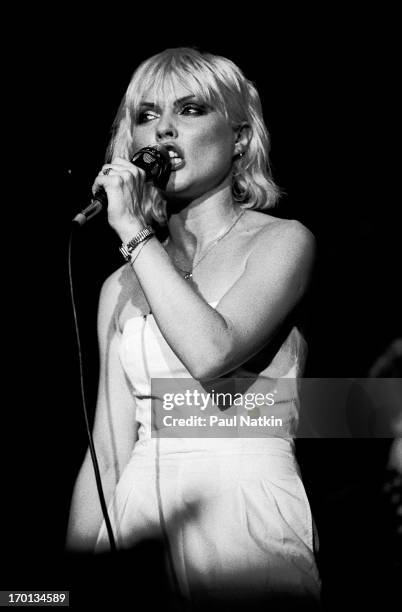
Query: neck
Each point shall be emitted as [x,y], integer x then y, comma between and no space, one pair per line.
[199,223]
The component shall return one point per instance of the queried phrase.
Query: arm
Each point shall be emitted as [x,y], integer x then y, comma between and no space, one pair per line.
[114,433]
[212,342]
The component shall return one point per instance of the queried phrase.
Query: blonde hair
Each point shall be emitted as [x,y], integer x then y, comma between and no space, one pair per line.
[222,85]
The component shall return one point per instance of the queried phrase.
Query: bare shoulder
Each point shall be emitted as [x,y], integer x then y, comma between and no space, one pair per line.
[274,238]
[267,229]
[267,226]
[122,292]
[112,283]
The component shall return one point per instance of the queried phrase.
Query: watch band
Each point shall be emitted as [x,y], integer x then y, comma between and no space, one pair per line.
[127,249]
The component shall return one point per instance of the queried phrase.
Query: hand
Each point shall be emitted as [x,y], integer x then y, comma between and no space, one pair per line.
[124,186]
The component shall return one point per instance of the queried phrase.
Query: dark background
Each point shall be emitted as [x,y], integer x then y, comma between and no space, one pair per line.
[327,87]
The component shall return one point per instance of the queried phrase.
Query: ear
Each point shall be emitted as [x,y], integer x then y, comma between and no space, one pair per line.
[242,139]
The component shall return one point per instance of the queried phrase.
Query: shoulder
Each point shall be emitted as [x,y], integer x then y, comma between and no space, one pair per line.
[111,284]
[282,254]
[108,299]
[286,237]
[121,292]
[121,282]
[118,288]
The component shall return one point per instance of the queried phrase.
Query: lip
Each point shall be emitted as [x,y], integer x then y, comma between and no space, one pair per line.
[170,146]
[177,166]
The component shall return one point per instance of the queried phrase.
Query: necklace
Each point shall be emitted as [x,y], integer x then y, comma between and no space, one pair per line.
[188,274]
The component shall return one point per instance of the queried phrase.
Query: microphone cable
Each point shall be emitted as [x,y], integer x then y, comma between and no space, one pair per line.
[84,406]
[155,161]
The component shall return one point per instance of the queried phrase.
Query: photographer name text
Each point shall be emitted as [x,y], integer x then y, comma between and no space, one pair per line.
[215,421]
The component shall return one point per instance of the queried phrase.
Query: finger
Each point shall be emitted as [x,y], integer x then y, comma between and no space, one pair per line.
[108,182]
[120,161]
[111,167]
[108,169]
[127,175]
[117,162]
[120,167]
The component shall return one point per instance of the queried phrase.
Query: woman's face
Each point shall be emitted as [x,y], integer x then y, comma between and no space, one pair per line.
[199,138]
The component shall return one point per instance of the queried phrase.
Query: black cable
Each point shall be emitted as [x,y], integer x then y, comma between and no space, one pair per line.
[88,429]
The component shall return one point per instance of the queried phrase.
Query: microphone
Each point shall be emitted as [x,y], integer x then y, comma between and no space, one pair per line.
[156,163]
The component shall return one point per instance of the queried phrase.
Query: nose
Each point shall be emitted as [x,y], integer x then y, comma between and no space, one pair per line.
[165,128]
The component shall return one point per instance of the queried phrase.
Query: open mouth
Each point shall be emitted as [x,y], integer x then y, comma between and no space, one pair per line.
[176,157]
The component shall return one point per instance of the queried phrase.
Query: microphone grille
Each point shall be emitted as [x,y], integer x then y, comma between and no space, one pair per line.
[148,159]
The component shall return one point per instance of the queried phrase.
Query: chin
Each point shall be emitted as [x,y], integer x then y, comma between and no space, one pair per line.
[182,188]
[177,187]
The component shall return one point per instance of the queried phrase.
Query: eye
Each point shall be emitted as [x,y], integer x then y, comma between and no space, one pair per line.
[145,116]
[193,109]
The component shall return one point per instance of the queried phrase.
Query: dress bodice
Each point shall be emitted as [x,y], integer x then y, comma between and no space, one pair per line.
[145,355]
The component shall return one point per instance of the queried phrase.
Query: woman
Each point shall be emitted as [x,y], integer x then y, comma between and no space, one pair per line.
[218,297]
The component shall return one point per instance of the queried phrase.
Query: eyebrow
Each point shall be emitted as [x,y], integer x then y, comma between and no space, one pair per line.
[176,102]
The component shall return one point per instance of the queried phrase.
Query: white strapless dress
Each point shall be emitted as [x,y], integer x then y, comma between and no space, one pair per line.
[233,513]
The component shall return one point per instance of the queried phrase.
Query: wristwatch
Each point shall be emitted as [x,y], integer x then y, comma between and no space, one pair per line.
[127,249]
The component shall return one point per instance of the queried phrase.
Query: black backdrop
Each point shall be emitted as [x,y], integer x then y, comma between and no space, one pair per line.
[327,88]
